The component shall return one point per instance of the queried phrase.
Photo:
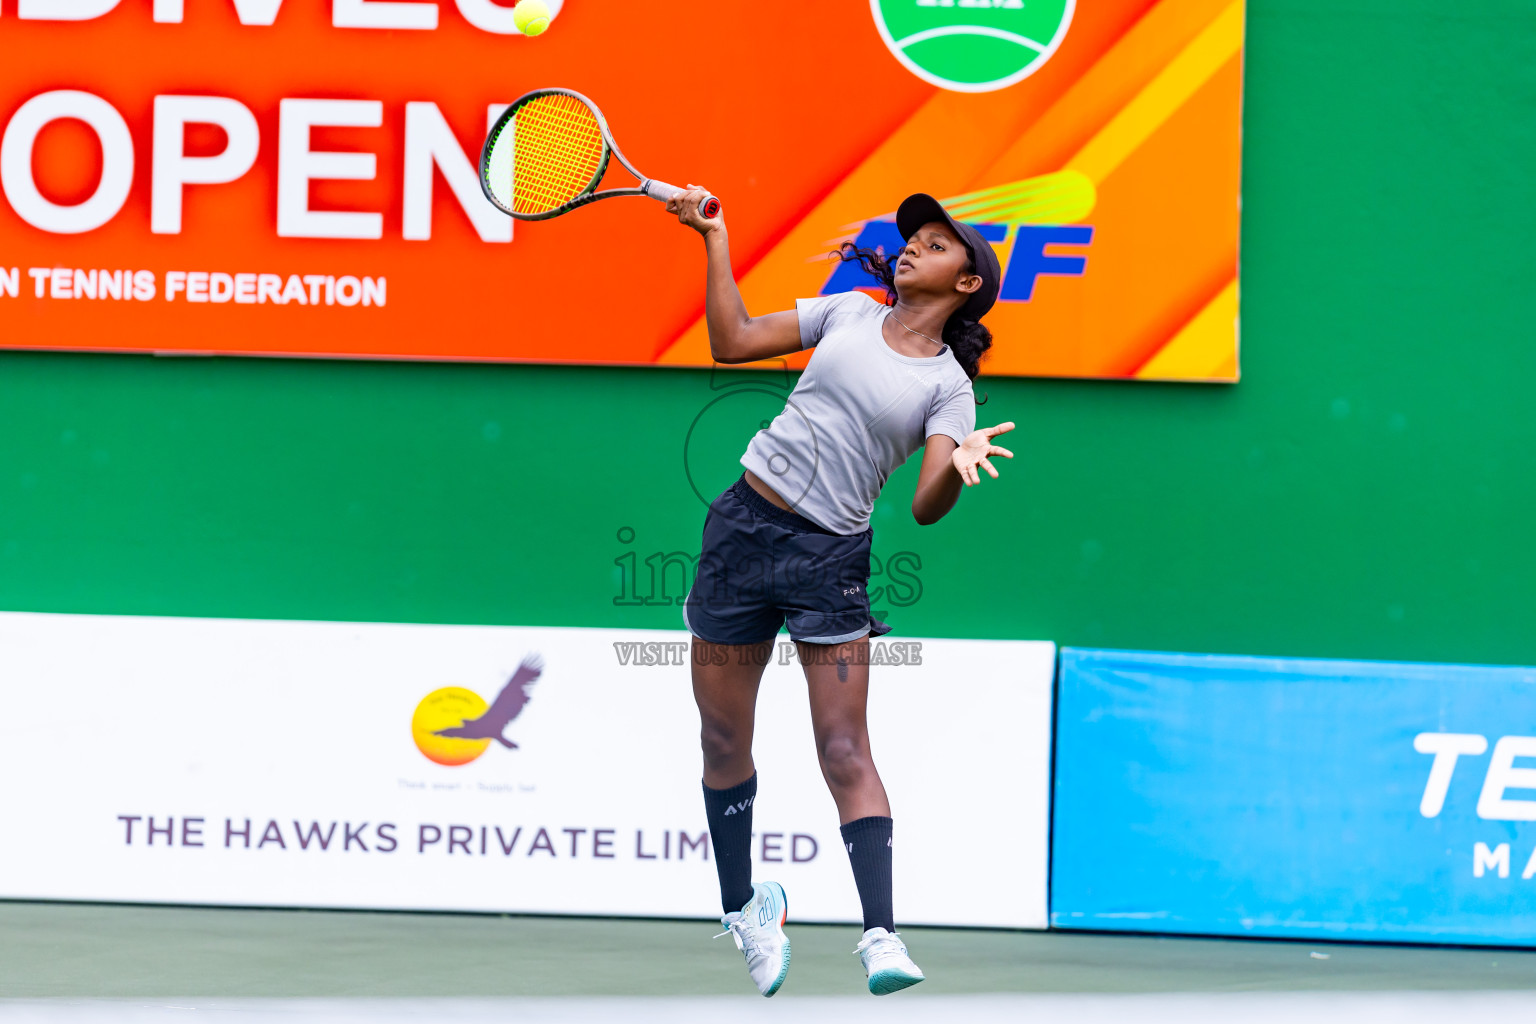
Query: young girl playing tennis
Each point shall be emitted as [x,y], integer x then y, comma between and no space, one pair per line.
[790,540]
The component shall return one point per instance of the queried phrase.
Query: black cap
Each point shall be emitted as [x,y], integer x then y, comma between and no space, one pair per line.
[920,208]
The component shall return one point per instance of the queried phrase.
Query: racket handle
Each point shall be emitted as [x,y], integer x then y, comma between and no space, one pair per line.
[709,207]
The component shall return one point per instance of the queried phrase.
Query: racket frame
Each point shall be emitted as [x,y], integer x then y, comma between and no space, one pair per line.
[649,187]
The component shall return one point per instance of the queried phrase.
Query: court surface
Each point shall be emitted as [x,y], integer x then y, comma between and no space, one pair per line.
[82,962]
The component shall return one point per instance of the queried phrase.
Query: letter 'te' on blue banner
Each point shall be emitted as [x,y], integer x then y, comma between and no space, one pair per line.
[1297,798]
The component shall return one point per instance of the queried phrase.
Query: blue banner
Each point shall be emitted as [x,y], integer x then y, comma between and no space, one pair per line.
[1295,797]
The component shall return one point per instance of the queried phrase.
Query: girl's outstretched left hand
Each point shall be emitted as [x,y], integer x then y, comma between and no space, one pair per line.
[975,451]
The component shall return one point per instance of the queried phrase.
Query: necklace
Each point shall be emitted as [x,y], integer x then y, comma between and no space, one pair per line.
[909,330]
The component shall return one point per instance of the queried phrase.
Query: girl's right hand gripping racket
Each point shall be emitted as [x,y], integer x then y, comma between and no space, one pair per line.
[547,152]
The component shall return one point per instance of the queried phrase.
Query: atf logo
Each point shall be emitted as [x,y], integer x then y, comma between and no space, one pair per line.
[1028,222]
[453,726]
[972,45]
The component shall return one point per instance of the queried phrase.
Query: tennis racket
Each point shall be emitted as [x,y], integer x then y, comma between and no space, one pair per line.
[547,152]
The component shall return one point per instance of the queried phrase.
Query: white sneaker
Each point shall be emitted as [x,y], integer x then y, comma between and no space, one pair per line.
[758,929]
[886,963]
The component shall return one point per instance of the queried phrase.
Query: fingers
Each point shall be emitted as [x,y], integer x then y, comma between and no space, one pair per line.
[1001,428]
[686,205]
[967,467]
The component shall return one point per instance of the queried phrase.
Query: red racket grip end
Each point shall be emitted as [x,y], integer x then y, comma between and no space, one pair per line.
[709,209]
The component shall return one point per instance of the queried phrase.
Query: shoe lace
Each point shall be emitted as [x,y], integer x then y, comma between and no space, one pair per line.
[745,942]
[887,943]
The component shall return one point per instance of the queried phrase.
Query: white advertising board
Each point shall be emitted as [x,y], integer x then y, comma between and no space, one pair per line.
[274,763]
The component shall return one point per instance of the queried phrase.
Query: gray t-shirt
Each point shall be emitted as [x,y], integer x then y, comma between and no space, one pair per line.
[858,412]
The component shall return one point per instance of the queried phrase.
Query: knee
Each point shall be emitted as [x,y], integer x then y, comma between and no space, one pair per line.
[722,743]
[844,760]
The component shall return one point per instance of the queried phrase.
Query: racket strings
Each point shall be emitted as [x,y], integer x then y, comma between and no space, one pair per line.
[559,148]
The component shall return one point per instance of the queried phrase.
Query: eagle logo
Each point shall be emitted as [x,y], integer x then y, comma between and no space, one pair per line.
[453,726]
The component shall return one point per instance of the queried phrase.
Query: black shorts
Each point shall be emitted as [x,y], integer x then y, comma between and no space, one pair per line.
[763,566]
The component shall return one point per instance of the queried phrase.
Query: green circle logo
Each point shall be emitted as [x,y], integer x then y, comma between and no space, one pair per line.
[972,45]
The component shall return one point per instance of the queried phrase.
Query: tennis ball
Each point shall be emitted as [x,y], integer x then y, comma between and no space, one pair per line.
[531,17]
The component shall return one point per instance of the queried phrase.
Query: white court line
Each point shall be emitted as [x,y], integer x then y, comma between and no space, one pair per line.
[1171,1008]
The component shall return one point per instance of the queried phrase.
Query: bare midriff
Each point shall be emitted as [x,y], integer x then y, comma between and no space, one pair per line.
[756,483]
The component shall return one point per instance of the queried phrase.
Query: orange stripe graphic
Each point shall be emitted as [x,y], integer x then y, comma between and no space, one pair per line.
[1150,118]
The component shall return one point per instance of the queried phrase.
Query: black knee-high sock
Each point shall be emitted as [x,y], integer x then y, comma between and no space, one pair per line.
[868,841]
[730,832]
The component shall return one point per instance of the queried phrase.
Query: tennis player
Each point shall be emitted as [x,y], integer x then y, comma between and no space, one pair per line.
[790,540]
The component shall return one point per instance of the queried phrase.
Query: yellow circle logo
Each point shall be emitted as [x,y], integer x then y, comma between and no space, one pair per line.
[442,710]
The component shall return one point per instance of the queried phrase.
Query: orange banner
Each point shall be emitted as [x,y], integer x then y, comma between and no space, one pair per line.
[287,178]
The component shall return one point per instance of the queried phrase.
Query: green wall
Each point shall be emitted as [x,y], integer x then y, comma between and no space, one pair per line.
[1367,490]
